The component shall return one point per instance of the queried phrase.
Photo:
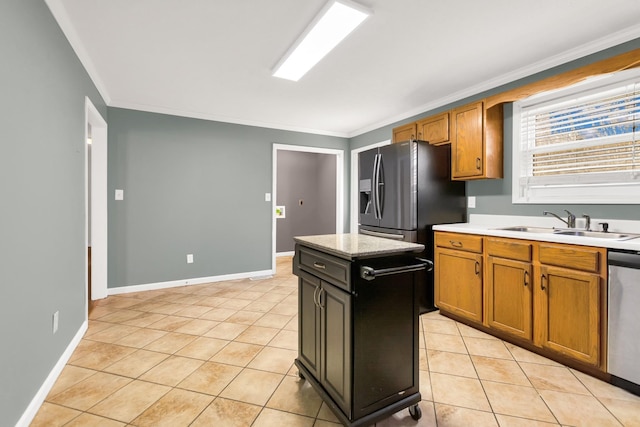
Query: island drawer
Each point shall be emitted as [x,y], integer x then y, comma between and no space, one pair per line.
[335,270]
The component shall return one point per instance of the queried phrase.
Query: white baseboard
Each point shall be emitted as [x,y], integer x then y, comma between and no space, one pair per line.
[291,253]
[31,411]
[186,282]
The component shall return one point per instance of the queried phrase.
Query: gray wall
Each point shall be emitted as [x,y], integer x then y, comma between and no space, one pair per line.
[310,177]
[191,186]
[494,196]
[42,219]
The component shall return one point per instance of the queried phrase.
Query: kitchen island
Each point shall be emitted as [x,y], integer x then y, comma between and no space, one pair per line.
[358,324]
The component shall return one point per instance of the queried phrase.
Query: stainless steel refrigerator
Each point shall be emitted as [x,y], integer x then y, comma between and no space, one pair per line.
[405,189]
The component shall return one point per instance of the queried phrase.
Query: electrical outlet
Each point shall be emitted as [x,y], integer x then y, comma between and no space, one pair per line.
[471,202]
[55,321]
[189,258]
[267,197]
[119,194]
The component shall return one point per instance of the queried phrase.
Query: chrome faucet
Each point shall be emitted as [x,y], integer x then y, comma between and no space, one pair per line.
[571,218]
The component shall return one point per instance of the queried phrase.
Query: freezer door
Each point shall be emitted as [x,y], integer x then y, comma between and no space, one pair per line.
[366,188]
[398,186]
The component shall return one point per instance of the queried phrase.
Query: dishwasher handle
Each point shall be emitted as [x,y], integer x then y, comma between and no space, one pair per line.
[622,258]
[369,273]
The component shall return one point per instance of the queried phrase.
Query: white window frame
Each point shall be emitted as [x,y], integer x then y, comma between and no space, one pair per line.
[625,191]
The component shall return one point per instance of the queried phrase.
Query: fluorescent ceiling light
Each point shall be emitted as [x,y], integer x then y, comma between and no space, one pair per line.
[336,20]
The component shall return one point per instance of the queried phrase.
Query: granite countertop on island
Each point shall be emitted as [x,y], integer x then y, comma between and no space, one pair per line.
[351,246]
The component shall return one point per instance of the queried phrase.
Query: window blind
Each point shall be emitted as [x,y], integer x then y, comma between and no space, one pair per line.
[590,137]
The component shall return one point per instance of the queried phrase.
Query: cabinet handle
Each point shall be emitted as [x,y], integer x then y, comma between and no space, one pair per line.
[319,265]
[455,243]
[478,163]
[542,279]
[526,279]
[315,296]
[477,268]
[320,299]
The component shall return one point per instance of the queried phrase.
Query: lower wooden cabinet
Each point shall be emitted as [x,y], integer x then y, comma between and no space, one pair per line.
[550,295]
[567,316]
[510,296]
[458,277]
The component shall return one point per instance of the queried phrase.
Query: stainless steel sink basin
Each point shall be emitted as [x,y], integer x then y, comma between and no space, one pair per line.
[566,232]
[597,234]
[526,229]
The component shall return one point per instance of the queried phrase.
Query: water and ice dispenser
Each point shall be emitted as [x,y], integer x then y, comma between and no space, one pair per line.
[365,196]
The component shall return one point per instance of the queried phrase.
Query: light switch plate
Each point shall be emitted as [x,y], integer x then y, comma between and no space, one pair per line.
[267,197]
[189,258]
[471,202]
[119,194]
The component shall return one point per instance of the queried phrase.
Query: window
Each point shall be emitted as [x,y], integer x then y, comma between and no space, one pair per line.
[579,144]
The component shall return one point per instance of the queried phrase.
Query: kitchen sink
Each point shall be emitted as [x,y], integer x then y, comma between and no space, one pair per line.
[567,232]
[597,234]
[526,229]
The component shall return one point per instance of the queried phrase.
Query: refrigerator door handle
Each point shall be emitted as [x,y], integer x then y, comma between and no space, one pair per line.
[374,190]
[380,190]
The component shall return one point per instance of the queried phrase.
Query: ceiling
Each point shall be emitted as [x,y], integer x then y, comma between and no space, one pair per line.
[212,59]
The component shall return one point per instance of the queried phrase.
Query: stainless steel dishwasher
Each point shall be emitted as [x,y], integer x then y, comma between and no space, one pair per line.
[624,319]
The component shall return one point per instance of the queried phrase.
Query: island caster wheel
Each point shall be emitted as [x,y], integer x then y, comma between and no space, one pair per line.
[300,375]
[415,412]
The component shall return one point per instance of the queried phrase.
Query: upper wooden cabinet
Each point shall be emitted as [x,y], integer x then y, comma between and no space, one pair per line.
[476,142]
[434,129]
[404,133]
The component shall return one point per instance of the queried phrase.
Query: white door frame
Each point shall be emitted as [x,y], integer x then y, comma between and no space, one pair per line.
[339,188]
[355,174]
[98,202]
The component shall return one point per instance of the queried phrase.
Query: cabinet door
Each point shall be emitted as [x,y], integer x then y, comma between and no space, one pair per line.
[467,143]
[434,129]
[336,345]
[404,133]
[458,283]
[567,318]
[309,324]
[509,296]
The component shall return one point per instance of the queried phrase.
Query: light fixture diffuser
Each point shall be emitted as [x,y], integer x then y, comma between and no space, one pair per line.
[336,20]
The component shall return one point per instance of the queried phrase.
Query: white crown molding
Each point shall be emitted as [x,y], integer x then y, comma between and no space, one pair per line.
[221,118]
[611,40]
[62,18]
[60,14]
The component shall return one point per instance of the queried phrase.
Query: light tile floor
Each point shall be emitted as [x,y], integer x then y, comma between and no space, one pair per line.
[221,354]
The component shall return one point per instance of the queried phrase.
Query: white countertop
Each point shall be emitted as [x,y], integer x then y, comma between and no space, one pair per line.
[350,246]
[489,225]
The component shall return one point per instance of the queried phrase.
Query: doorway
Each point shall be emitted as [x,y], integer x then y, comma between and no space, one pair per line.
[95,203]
[331,160]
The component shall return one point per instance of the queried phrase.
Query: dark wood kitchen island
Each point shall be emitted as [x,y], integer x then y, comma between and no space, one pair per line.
[358,324]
